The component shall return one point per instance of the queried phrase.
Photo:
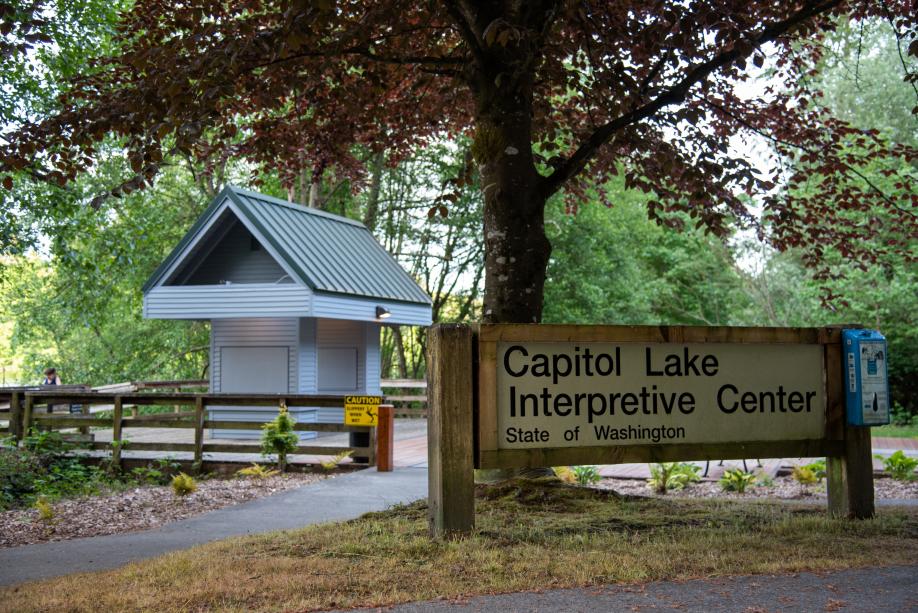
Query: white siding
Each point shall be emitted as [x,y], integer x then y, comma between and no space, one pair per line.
[307,352]
[227,301]
[255,332]
[372,358]
[338,306]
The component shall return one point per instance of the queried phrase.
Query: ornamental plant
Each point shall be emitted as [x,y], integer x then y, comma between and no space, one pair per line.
[900,466]
[278,437]
[672,476]
[736,480]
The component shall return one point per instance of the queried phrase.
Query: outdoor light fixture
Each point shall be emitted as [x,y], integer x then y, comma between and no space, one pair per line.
[382,313]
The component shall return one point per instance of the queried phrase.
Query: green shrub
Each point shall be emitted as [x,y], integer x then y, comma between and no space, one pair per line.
[673,476]
[183,484]
[19,469]
[278,437]
[736,480]
[586,475]
[900,416]
[900,466]
[158,472]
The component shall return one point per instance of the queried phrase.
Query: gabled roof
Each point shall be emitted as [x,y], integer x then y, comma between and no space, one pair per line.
[326,252]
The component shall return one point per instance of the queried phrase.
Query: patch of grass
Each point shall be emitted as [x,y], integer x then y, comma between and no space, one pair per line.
[895,431]
[530,534]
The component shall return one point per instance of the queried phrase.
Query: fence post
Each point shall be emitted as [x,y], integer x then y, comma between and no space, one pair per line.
[385,439]
[27,414]
[849,477]
[116,432]
[451,487]
[16,416]
[198,433]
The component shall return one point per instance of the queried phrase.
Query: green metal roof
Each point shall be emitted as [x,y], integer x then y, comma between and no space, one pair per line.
[328,253]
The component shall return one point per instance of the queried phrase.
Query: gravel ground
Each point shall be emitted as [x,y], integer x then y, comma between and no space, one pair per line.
[784,488]
[136,509]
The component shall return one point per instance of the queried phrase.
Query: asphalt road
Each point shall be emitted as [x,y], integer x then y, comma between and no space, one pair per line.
[869,590]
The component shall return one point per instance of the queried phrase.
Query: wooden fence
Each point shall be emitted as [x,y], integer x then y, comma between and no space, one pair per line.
[408,396]
[24,413]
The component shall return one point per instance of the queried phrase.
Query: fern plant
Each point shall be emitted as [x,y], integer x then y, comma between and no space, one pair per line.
[278,437]
[257,471]
[332,464]
[183,484]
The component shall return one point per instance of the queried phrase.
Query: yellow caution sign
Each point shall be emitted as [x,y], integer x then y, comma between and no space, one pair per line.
[361,410]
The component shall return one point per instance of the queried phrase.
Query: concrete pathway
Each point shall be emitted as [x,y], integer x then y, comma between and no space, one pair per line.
[338,499]
[865,590]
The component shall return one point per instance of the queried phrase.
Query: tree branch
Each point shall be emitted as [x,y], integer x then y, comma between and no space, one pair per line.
[674,95]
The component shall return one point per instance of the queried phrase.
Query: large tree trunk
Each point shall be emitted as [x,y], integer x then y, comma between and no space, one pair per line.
[516,248]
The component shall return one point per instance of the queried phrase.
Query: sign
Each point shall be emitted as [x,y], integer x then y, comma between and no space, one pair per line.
[587,394]
[361,410]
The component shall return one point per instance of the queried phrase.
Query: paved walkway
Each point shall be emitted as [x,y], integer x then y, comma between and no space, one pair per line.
[342,498]
[866,590]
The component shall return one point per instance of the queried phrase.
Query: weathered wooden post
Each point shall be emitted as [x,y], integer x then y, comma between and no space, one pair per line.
[385,438]
[849,476]
[27,414]
[16,416]
[117,414]
[198,434]
[451,487]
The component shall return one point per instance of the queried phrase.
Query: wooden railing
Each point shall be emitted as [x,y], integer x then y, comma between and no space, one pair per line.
[11,401]
[24,413]
[408,396]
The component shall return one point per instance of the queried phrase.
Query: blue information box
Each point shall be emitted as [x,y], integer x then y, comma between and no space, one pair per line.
[866,383]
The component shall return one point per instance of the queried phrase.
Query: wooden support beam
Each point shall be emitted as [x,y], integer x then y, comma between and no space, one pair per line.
[385,439]
[451,487]
[117,415]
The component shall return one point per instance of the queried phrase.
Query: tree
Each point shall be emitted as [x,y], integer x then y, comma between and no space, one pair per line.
[556,95]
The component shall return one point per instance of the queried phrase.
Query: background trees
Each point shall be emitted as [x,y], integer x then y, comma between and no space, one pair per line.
[390,121]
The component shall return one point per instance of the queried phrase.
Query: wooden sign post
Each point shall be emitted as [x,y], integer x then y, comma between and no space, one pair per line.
[515,396]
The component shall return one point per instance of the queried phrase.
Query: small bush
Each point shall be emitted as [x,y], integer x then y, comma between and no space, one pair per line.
[183,484]
[278,437]
[900,466]
[736,480]
[44,508]
[673,476]
[157,473]
[257,471]
[764,479]
[586,475]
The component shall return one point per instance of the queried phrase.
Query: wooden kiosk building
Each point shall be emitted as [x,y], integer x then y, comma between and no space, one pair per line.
[296,298]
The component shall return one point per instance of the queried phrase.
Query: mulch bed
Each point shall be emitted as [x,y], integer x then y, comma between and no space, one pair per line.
[137,509]
[784,488]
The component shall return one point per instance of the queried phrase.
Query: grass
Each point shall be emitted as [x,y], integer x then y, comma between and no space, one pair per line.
[895,431]
[530,535]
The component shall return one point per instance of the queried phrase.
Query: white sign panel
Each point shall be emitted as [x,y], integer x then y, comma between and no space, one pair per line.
[584,394]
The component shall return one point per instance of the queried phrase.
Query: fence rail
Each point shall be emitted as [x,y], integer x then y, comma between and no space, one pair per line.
[22,415]
[409,397]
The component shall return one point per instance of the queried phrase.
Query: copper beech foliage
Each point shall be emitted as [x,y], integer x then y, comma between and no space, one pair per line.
[556,94]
